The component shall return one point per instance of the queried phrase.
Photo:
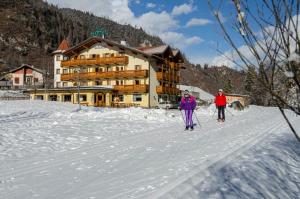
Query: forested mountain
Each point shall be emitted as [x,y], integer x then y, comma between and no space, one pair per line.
[31,29]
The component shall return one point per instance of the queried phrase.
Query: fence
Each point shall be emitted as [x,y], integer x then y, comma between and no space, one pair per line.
[8,98]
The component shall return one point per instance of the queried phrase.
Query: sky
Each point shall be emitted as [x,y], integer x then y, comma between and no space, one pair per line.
[185,24]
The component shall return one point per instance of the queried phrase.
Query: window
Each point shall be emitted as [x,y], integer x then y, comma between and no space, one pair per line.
[58,58]
[84,84]
[138,67]
[58,84]
[108,82]
[118,98]
[28,79]
[98,83]
[67,98]
[93,56]
[84,70]
[82,98]
[137,97]
[36,80]
[65,71]
[119,82]
[39,97]
[65,84]
[52,97]
[82,56]
[17,80]
[119,68]
[137,82]
[58,71]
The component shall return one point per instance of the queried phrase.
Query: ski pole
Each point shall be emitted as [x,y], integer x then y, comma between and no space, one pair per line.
[214,113]
[229,112]
[182,117]
[197,119]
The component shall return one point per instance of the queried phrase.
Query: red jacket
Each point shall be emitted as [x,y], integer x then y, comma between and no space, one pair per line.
[220,100]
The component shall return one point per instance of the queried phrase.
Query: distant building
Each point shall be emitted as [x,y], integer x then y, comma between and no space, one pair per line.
[201,96]
[5,83]
[243,99]
[111,73]
[27,76]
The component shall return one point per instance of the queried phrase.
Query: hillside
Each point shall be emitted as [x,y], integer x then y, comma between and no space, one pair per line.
[213,78]
[31,29]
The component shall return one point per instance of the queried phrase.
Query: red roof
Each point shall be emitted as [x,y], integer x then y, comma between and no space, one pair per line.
[63,45]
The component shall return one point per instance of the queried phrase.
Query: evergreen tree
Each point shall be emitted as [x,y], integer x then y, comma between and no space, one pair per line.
[228,87]
[250,80]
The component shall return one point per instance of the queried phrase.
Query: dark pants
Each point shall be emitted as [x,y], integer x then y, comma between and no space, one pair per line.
[221,112]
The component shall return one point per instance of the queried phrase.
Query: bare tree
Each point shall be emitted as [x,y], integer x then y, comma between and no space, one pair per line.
[269,30]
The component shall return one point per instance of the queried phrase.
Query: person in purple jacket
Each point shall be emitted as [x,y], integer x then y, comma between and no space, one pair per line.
[188,104]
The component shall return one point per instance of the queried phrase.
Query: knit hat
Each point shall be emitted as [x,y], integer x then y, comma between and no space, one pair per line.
[221,90]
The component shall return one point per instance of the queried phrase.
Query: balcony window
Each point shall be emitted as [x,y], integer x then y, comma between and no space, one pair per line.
[137,82]
[119,68]
[84,83]
[84,70]
[98,83]
[119,82]
[65,71]
[137,97]
[65,84]
[58,58]
[57,71]
[138,67]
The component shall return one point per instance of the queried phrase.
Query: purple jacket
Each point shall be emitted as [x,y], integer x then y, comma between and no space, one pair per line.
[188,103]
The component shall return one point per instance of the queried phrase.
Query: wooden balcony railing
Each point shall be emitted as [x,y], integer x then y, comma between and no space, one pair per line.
[142,88]
[173,65]
[105,75]
[95,61]
[161,76]
[167,90]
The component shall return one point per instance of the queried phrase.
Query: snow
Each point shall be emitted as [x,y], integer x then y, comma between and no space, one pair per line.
[49,150]
[11,93]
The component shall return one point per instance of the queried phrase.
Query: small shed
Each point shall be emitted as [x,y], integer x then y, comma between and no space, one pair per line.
[244,100]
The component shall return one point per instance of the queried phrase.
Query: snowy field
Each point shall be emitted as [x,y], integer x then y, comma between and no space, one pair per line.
[49,150]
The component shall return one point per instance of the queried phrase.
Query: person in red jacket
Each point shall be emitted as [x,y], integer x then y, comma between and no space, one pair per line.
[220,101]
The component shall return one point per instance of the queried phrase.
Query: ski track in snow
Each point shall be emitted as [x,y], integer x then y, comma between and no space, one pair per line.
[48,150]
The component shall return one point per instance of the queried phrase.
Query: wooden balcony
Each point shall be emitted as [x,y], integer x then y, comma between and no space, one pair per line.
[120,60]
[142,88]
[126,74]
[167,90]
[173,65]
[161,76]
